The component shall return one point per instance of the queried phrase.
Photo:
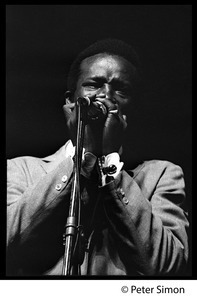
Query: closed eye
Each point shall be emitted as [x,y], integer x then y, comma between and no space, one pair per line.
[92,85]
[96,82]
[123,91]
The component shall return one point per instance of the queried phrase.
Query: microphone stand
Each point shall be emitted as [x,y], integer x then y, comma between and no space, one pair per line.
[73,238]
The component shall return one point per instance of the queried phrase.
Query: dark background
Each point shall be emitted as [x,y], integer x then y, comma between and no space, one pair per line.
[42,41]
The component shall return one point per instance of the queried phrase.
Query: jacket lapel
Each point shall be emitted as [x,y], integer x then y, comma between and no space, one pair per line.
[50,162]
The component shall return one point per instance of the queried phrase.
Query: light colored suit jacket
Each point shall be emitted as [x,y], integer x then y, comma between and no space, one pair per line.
[140,227]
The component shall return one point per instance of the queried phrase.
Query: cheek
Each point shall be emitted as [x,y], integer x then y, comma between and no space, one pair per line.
[86,92]
[79,93]
[123,102]
[125,105]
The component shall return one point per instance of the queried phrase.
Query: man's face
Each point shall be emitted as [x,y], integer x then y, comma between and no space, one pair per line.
[106,78]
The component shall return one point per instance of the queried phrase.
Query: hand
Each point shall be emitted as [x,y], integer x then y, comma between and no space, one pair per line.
[70,114]
[93,130]
[114,127]
[100,137]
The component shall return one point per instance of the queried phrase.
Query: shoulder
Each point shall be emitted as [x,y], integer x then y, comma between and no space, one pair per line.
[159,172]
[157,167]
[34,167]
[23,162]
[24,167]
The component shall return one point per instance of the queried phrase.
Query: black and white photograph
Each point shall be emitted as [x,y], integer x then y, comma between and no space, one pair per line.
[99,143]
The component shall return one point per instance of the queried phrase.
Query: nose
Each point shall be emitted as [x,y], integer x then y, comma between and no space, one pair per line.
[106,93]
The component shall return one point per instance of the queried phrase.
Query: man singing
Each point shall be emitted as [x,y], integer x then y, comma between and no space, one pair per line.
[133,220]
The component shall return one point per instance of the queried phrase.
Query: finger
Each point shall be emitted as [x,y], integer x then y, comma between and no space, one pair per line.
[110,105]
[124,117]
[69,106]
[68,110]
[116,119]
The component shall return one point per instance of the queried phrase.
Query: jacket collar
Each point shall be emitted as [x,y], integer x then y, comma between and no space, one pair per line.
[50,162]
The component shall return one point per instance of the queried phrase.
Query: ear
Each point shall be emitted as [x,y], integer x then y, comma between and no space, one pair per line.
[68,96]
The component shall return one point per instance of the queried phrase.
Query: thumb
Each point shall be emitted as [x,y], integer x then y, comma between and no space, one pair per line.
[68,110]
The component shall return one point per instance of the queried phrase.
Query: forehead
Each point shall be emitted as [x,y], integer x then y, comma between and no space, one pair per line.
[106,64]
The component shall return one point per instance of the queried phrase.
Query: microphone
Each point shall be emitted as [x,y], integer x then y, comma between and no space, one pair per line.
[95,109]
